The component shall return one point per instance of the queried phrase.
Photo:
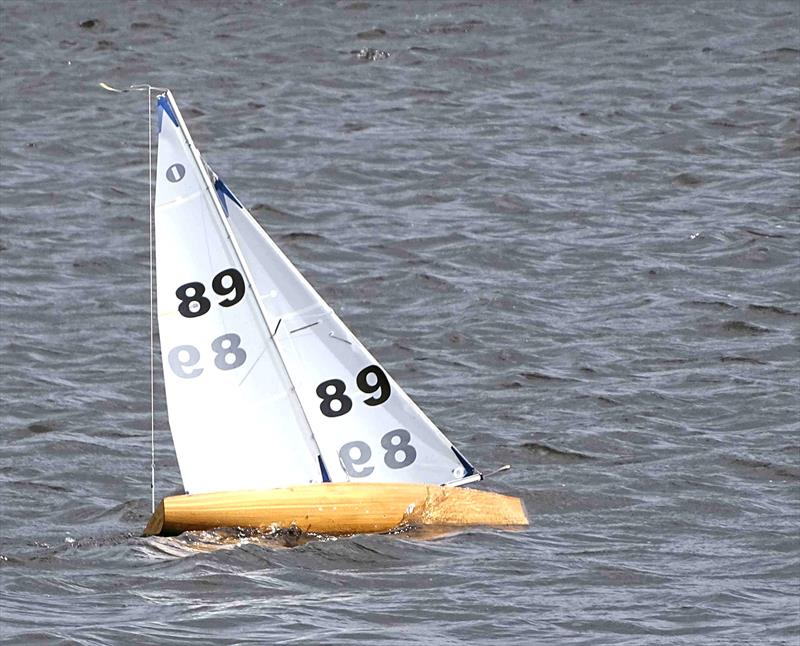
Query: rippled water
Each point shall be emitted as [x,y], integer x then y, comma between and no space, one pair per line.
[569,229]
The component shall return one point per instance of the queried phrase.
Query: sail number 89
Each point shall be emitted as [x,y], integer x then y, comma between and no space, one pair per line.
[399,453]
[228,282]
[370,380]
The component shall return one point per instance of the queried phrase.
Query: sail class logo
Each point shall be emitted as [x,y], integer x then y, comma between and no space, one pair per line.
[176,172]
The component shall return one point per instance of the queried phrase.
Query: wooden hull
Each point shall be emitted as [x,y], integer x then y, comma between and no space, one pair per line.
[338,508]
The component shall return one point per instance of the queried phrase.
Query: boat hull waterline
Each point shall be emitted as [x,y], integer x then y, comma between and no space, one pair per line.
[338,509]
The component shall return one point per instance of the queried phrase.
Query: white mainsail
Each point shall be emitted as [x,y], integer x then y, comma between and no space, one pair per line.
[266,387]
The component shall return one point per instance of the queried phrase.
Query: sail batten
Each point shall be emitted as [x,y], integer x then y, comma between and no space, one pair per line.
[266,386]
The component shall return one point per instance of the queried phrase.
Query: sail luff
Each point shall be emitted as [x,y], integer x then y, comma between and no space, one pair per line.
[223,218]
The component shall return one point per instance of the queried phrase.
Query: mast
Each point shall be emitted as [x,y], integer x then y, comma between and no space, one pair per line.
[201,167]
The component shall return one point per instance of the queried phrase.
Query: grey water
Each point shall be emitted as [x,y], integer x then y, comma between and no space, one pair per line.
[569,229]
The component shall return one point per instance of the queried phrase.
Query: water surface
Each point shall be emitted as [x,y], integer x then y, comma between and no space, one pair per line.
[569,229]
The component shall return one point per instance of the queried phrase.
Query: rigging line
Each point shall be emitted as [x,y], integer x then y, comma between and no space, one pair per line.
[138,87]
[141,87]
[152,335]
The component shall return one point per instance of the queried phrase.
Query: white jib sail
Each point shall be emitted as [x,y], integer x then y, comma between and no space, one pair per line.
[344,418]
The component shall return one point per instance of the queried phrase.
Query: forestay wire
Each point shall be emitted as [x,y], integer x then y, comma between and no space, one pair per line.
[140,88]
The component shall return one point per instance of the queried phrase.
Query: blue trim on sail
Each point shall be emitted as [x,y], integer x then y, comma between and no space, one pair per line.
[468,468]
[325,476]
[223,191]
[164,105]
[221,198]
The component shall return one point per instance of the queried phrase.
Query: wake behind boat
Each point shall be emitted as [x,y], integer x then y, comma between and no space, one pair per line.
[279,415]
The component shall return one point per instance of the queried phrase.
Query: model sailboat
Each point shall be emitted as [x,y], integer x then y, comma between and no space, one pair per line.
[279,415]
